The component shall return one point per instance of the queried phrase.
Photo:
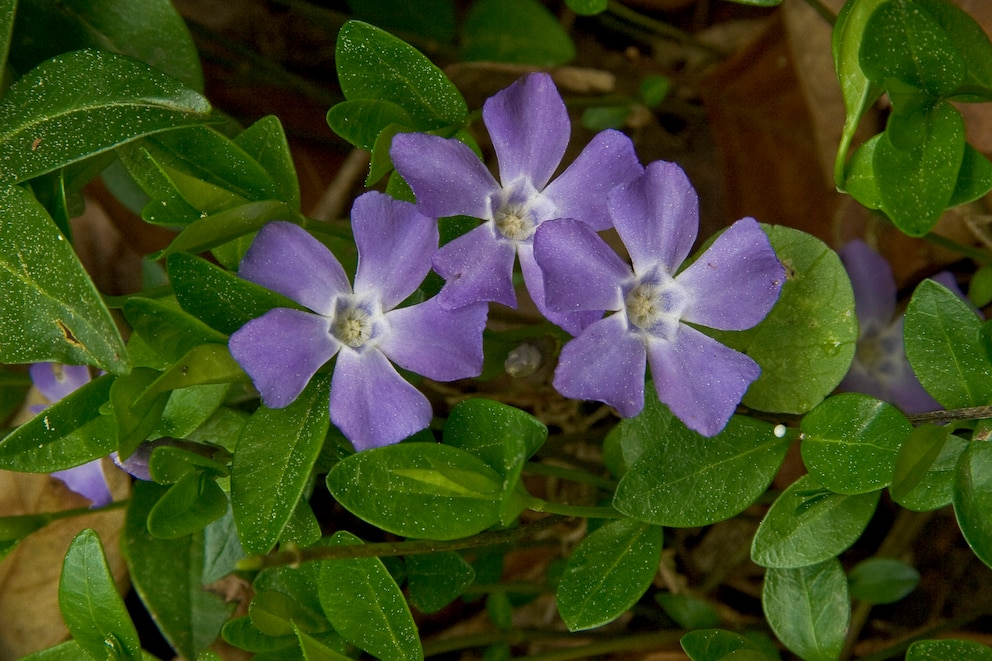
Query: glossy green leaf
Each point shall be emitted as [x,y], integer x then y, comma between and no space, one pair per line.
[588,7]
[213,231]
[808,609]
[714,644]
[360,121]
[608,572]
[68,433]
[436,579]
[684,479]
[502,436]
[973,498]
[808,524]
[241,633]
[265,141]
[137,408]
[515,31]
[373,64]
[916,183]
[275,455]
[851,442]
[687,611]
[934,488]
[148,30]
[364,604]
[942,344]
[882,580]
[14,387]
[970,39]
[805,345]
[166,328]
[918,453]
[7,10]
[50,309]
[70,650]
[168,463]
[314,650]
[942,650]
[91,606]
[421,490]
[85,102]
[168,576]
[276,614]
[974,177]
[187,507]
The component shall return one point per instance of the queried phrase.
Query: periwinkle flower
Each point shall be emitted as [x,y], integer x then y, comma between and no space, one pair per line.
[731,286]
[880,367]
[281,350]
[529,127]
[54,381]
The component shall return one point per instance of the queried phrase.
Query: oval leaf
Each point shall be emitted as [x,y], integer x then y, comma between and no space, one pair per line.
[882,580]
[808,609]
[973,498]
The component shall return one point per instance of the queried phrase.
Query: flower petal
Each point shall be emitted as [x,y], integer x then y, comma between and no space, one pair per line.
[529,127]
[281,350]
[657,217]
[286,259]
[606,364]
[478,267]
[395,246]
[736,282]
[571,322]
[55,380]
[581,272]
[372,404]
[432,341]
[445,175]
[88,481]
[701,380]
[608,161]
[872,281]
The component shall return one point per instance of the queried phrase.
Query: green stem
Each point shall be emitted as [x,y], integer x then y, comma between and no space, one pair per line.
[977,254]
[570,474]
[660,28]
[582,511]
[824,11]
[293,556]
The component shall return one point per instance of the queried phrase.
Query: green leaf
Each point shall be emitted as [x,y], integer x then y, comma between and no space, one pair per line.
[502,436]
[859,177]
[364,604]
[808,524]
[969,38]
[907,44]
[168,463]
[91,606]
[851,442]
[934,489]
[314,650]
[7,10]
[278,614]
[515,31]
[941,650]
[373,64]
[806,343]
[137,408]
[275,455]
[683,479]
[687,611]
[188,506]
[421,490]
[429,19]
[808,609]
[216,230]
[241,633]
[942,344]
[361,121]
[916,183]
[588,7]
[168,576]
[50,309]
[974,177]
[608,572]
[68,433]
[882,580]
[973,498]
[14,387]
[166,328]
[265,141]
[918,453]
[83,103]
[712,644]
[436,579]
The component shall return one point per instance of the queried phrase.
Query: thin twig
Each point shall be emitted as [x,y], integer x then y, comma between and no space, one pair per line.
[334,202]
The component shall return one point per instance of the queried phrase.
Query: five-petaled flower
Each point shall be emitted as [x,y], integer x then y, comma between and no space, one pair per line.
[880,367]
[281,350]
[731,286]
[529,127]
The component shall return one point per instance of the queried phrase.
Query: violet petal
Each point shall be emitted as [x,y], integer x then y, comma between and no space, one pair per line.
[701,380]
[478,267]
[736,282]
[432,341]
[88,481]
[606,364]
[286,259]
[395,246]
[55,380]
[657,217]
[281,351]
[529,127]
[872,281]
[608,161]
[445,175]
[372,404]
[572,322]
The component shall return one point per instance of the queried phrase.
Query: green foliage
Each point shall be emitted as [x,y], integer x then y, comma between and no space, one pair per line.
[516,31]
[973,498]
[882,580]
[437,579]
[808,608]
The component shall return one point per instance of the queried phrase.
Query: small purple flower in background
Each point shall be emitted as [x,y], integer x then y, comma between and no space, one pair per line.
[281,350]
[880,367]
[55,381]
[530,128]
[731,286]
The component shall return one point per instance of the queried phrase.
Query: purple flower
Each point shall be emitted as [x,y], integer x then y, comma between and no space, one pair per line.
[281,350]
[530,128]
[55,381]
[880,367]
[731,286]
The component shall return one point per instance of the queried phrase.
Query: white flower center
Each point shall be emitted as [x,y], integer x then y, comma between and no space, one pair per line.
[514,222]
[355,323]
[656,306]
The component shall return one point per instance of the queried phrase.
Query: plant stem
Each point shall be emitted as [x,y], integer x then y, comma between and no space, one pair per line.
[977,254]
[824,11]
[660,28]
[293,556]
[582,511]
[967,413]
[628,643]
